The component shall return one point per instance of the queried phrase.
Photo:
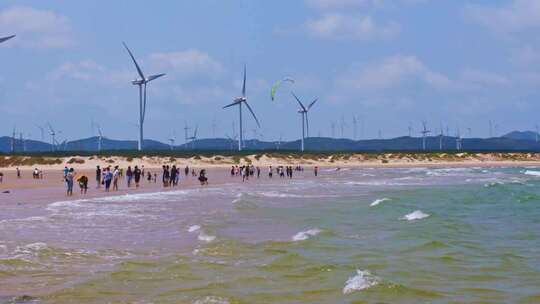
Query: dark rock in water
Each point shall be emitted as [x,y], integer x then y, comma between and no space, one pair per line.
[7,191]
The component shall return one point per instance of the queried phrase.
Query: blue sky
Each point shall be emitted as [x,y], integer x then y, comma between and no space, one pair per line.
[390,63]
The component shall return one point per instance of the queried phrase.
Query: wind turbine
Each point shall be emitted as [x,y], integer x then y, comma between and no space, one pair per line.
[141,82]
[171,143]
[42,131]
[536,134]
[194,137]
[186,137]
[410,129]
[304,113]
[99,137]
[424,132]
[441,136]
[53,134]
[342,126]
[458,140]
[238,101]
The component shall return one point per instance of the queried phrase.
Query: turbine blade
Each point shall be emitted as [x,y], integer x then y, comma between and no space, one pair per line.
[299,102]
[244,83]
[135,62]
[232,104]
[152,77]
[252,113]
[6,38]
[312,103]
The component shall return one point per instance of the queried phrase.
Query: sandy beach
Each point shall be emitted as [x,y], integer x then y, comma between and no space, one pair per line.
[52,187]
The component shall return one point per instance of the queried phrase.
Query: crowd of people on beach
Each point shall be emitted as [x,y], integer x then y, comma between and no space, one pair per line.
[110,177]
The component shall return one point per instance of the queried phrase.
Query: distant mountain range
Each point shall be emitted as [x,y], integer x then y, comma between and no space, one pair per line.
[513,141]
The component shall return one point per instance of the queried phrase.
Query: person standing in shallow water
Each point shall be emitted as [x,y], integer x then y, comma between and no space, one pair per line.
[98,177]
[116,177]
[129,176]
[69,181]
[83,183]
[137,176]
[174,175]
[108,179]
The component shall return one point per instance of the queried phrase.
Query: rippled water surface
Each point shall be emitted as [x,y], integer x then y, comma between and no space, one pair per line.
[459,235]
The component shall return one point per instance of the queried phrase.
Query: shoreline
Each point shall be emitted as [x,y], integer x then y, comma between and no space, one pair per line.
[361,160]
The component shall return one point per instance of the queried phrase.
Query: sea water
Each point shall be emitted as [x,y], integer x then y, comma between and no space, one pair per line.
[459,235]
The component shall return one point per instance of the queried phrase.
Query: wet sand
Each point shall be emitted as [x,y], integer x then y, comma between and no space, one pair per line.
[52,187]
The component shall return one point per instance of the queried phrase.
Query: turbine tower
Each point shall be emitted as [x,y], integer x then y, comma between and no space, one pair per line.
[194,137]
[342,126]
[441,136]
[536,133]
[458,140]
[304,113]
[100,138]
[13,139]
[53,134]
[238,101]
[42,131]
[424,132]
[355,127]
[141,82]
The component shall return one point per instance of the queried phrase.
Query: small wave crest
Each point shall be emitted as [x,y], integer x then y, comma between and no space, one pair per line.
[194,228]
[532,173]
[378,201]
[304,235]
[205,237]
[415,215]
[211,300]
[362,280]
[243,201]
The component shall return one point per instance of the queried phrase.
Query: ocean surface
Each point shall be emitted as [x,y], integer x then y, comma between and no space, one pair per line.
[423,235]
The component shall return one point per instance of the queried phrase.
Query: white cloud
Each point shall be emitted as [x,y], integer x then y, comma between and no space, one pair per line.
[185,62]
[525,56]
[516,16]
[90,71]
[392,72]
[340,4]
[483,78]
[36,28]
[339,26]
[326,5]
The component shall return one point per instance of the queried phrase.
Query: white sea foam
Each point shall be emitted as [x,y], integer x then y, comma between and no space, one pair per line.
[532,172]
[304,235]
[378,201]
[150,196]
[211,300]
[416,215]
[362,280]
[205,237]
[194,228]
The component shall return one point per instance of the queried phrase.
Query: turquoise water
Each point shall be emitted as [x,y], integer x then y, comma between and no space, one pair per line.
[353,236]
